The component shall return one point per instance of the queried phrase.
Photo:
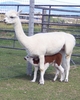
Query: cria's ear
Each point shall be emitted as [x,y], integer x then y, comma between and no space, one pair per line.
[19,12]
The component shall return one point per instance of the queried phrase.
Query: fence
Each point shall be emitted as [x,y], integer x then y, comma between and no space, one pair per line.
[51,18]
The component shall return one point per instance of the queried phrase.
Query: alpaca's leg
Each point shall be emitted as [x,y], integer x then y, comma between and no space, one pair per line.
[42,73]
[67,68]
[35,74]
[41,57]
[63,63]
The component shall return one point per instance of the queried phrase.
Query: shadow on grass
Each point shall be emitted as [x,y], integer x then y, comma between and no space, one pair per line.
[47,76]
[27,77]
[24,76]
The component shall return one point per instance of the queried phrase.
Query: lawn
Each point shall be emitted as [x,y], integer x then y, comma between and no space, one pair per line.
[16,85]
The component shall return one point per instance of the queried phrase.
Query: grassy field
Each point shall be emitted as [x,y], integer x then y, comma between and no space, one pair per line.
[16,85]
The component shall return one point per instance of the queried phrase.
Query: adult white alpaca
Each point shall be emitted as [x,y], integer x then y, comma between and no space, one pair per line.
[54,60]
[43,44]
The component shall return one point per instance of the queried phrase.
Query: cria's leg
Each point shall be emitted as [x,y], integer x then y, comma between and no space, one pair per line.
[35,74]
[61,73]
[61,70]
[56,74]
[41,57]
[42,73]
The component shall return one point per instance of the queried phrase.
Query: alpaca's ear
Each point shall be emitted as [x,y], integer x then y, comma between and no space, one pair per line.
[19,12]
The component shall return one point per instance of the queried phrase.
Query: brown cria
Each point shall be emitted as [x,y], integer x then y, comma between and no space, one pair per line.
[56,58]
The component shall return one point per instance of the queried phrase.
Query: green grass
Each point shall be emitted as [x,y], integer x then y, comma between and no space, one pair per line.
[76,59]
[11,63]
[16,85]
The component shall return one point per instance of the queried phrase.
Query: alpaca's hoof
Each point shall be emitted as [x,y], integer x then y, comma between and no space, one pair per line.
[32,80]
[41,82]
[66,80]
[61,80]
[53,80]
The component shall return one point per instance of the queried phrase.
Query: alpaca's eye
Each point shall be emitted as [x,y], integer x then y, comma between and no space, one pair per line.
[11,17]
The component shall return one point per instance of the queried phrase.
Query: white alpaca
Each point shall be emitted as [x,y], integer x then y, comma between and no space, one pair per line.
[43,44]
[54,60]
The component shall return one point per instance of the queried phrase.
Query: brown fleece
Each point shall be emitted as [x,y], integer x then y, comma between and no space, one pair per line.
[50,58]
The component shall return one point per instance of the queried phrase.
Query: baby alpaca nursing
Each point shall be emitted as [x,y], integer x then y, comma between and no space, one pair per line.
[45,44]
[54,60]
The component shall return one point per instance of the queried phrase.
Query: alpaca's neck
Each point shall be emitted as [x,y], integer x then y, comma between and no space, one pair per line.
[18,29]
[20,33]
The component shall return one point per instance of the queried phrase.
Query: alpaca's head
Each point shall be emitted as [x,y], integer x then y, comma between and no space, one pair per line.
[11,17]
